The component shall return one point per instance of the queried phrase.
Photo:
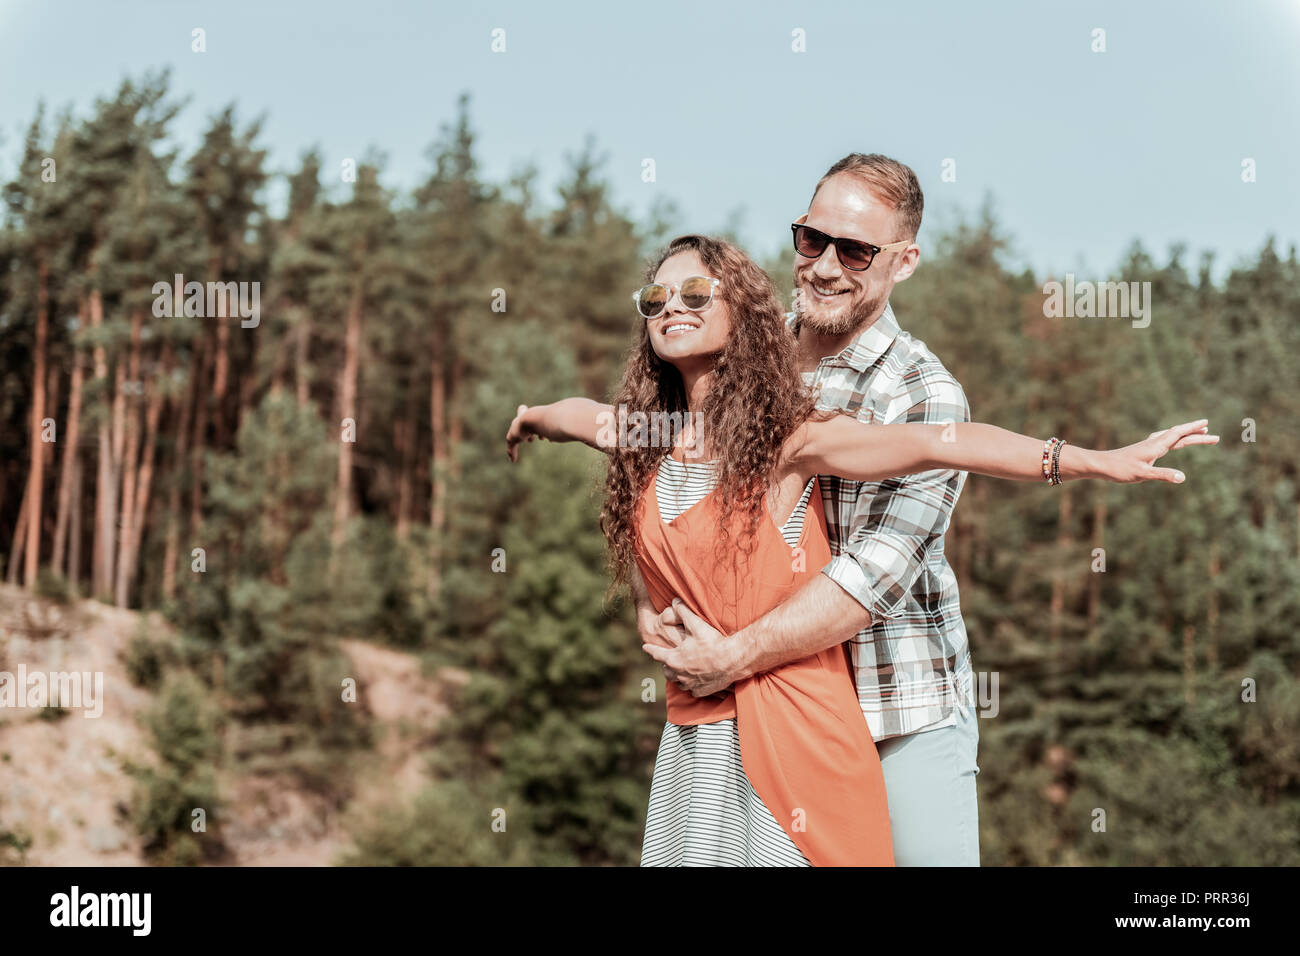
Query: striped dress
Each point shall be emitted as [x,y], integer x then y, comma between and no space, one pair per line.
[703,809]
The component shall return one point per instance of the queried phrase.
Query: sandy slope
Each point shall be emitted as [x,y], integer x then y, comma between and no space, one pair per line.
[61,780]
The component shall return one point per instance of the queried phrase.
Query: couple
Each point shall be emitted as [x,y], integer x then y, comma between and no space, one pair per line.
[787,559]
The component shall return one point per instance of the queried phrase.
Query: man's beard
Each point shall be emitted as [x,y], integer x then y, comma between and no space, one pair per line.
[843,322]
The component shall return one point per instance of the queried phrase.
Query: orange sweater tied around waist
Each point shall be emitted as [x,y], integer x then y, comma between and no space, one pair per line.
[804,742]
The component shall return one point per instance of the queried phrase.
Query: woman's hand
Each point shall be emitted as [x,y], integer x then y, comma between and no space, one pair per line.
[1137,462]
[569,419]
[663,629]
[522,429]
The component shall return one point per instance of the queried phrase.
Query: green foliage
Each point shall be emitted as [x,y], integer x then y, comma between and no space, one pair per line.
[14,844]
[54,587]
[376,590]
[183,727]
[1127,698]
[149,658]
[552,702]
[447,824]
[257,622]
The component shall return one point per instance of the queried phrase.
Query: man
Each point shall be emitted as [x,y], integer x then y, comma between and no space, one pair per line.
[888,589]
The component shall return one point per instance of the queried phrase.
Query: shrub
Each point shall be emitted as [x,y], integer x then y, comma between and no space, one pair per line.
[447,824]
[147,659]
[183,728]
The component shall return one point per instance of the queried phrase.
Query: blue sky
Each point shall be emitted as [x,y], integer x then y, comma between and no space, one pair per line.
[1082,152]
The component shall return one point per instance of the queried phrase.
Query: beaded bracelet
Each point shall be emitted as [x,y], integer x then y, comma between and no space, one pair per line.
[1048,447]
[1056,462]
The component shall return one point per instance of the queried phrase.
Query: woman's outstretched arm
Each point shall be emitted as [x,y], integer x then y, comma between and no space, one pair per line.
[570,419]
[862,452]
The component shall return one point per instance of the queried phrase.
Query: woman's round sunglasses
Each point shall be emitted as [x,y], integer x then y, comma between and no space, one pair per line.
[696,293]
[854,255]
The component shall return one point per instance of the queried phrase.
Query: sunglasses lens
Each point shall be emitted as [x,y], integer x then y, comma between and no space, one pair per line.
[854,255]
[696,292]
[809,242]
[652,300]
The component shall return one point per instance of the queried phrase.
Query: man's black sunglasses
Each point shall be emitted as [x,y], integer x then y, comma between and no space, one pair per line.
[857,256]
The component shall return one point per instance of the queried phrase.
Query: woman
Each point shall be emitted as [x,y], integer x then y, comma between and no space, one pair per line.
[781,769]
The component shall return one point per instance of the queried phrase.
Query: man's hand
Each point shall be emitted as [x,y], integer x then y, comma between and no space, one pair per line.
[1136,462]
[704,661]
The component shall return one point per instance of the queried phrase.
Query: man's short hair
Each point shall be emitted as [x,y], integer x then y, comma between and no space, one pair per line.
[889,180]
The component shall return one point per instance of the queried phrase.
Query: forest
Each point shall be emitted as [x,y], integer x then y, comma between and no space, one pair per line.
[313,449]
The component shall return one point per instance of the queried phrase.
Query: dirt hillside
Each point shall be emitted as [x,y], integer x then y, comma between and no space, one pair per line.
[61,780]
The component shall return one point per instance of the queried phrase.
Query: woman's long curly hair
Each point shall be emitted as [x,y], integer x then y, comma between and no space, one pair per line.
[756,399]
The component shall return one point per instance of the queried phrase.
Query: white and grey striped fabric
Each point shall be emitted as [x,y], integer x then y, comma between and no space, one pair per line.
[703,809]
[680,486]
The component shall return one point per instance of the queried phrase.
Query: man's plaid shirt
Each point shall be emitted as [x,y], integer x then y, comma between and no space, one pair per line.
[913,663]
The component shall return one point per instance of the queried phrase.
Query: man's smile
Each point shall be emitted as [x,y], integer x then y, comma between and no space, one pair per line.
[825,293]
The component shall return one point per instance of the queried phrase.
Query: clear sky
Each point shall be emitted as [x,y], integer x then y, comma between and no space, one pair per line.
[1082,152]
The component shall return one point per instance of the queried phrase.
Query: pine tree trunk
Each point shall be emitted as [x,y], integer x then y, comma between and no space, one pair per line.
[403,437]
[36,481]
[16,551]
[197,439]
[455,425]
[220,376]
[74,529]
[101,575]
[221,370]
[71,436]
[438,476]
[153,413]
[347,409]
[130,458]
[247,386]
[119,458]
[303,349]
[171,547]
[54,382]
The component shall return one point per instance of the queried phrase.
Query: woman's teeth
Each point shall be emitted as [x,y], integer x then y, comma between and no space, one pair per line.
[679,328]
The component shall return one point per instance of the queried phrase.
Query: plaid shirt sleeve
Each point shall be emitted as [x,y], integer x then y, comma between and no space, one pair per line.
[894,522]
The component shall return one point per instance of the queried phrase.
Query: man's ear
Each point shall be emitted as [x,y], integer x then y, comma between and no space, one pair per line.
[801,220]
[907,262]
